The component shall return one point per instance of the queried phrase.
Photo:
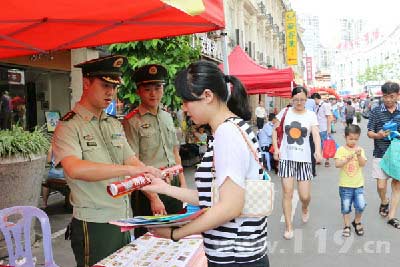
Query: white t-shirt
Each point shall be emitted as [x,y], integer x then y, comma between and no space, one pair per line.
[260,112]
[356,105]
[323,110]
[296,135]
[235,161]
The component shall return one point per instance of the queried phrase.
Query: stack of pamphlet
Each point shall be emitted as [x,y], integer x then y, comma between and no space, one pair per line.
[159,221]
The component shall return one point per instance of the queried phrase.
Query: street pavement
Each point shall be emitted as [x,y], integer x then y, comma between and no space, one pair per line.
[316,243]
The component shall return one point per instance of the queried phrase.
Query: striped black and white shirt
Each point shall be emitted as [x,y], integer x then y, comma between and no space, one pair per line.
[242,239]
[378,117]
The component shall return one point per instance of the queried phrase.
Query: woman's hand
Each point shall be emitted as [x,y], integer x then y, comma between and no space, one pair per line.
[163,232]
[318,157]
[157,185]
[277,155]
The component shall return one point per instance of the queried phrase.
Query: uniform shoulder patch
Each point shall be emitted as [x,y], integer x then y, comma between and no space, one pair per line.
[68,116]
[132,113]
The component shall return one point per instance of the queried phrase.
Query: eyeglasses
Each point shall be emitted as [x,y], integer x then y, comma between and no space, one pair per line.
[299,100]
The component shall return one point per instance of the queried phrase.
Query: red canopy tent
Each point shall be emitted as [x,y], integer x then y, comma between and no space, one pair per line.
[31,27]
[258,79]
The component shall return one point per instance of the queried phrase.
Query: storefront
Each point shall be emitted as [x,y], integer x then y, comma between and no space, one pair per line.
[34,87]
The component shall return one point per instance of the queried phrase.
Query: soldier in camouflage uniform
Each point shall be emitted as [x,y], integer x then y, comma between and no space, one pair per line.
[151,133]
[93,151]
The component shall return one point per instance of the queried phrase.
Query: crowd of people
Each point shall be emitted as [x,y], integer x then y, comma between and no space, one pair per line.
[94,149]
[307,123]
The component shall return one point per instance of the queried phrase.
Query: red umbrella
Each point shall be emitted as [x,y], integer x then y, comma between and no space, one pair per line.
[30,27]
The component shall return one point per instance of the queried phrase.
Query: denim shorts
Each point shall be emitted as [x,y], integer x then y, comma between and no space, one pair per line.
[349,196]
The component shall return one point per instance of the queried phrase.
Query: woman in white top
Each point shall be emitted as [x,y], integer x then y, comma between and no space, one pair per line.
[294,155]
[229,240]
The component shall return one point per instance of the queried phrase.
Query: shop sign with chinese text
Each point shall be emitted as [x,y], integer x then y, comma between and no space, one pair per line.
[291,38]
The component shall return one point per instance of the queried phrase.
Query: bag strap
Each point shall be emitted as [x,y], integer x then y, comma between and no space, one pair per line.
[251,147]
[283,117]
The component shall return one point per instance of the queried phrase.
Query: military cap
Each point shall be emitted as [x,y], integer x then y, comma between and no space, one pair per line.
[106,68]
[152,73]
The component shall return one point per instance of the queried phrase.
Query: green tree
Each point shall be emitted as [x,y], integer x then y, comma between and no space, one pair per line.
[375,73]
[173,53]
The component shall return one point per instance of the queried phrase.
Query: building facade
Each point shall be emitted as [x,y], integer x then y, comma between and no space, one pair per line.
[382,54]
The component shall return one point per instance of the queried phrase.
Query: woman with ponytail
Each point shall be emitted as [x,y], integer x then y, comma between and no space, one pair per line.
[210,97]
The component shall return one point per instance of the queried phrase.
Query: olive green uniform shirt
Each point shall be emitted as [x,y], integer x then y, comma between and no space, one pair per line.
[151,136]
[86,137]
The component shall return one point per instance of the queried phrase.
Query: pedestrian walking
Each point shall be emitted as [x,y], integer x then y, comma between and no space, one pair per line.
[350,158]
[324,117]
[349,113]
[389,110]
[265,141]
[260,115]
[294,155]
[229,240]
[94,152]
[150,131]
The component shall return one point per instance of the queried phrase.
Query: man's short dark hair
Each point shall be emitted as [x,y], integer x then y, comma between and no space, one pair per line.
[271,116]
[389,88]
[352,129]
[315,96]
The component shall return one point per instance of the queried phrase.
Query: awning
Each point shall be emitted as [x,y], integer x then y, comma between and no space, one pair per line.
[31,27]
[258,79]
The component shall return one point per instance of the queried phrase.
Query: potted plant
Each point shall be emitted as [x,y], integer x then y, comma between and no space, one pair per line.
[22,165]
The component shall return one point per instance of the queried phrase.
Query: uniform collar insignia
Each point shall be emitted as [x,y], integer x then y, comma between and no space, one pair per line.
[92,143]
[116,135]
[88,137]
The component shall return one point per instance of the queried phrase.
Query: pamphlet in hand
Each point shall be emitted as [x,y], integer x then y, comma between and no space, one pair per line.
[158,221]
[117,189]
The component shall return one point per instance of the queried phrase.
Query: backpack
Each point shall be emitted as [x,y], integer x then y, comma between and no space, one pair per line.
[350,112]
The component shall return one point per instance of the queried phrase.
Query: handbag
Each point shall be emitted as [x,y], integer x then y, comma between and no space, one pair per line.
[390,163]
[279,131]
[259,194]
